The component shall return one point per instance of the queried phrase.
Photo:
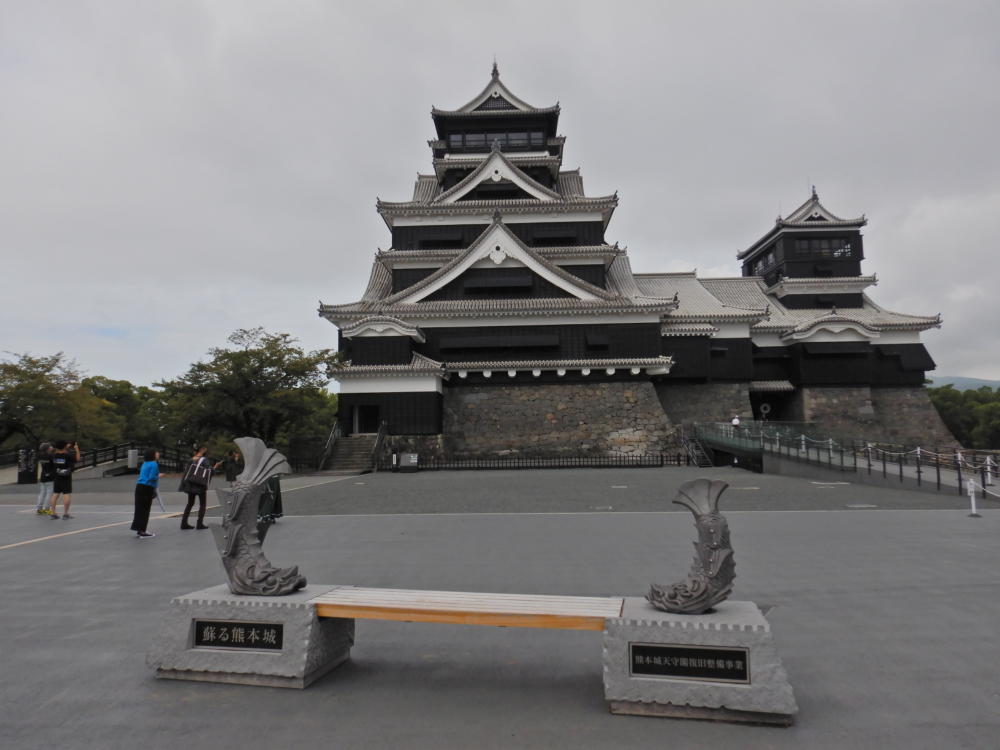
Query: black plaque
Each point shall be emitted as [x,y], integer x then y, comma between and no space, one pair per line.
[701,663]
[251,636]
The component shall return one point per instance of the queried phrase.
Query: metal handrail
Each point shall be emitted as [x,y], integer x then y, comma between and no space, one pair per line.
[379,438]
[331,440]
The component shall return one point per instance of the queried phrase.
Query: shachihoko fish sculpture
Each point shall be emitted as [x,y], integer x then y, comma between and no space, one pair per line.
[241,534]
[711,578]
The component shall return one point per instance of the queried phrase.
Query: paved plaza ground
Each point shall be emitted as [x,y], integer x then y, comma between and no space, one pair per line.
[885,604]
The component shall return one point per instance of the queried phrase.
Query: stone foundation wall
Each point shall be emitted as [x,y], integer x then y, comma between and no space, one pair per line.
[893,415]
[600,419]
[704,402]
[909,416]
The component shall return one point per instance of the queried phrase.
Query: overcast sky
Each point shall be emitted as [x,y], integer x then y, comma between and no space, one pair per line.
[173,171]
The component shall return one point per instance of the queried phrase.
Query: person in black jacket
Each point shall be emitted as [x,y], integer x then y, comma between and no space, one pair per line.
[64,459]
[195,484]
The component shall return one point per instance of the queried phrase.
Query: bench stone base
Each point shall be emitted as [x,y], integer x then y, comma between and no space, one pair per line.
[647,653]
[309,646]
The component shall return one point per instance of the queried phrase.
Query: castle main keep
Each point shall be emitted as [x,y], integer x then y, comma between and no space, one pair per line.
[503,322]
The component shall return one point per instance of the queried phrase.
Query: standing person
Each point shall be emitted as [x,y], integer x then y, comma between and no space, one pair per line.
[195,484]
[145,491]
[45,480]
[231,465]
[64,460]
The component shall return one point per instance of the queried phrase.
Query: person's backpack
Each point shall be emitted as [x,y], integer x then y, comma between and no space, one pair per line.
[198,473]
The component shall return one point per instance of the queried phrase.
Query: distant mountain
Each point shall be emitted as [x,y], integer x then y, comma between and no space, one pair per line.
[960,383]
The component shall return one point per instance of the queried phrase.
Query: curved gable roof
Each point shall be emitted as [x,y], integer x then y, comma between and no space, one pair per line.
[509,246]
[497,167]
[495,89]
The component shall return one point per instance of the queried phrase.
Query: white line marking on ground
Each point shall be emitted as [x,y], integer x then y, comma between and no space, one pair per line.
[637,512]
[314,484]
[158,517]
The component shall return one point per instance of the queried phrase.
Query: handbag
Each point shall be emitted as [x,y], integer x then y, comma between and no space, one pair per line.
[197,475]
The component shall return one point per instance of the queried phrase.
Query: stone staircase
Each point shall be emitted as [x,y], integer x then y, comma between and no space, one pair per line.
[352,454]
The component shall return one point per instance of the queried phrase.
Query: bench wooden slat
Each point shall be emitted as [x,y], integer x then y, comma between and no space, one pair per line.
[469,608]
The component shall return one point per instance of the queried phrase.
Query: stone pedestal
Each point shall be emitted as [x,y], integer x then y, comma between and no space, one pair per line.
[276,641]
[722,666]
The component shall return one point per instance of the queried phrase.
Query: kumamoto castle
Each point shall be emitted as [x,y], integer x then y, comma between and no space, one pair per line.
[503,321]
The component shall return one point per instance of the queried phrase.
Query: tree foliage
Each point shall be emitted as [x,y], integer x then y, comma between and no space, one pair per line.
[973,416]
[44,398]
[263,385]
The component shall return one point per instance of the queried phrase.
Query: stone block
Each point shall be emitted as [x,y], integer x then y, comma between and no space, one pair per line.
[309,646]
[749,685]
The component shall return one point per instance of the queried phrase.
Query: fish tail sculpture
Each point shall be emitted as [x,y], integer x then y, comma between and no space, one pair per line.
[239,537]
[711,578]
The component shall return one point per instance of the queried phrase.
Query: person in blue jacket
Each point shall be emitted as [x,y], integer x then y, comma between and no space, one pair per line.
[145,493]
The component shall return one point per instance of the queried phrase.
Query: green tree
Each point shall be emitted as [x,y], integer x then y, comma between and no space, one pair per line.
[142,409]
[42,397]
[263,385]
[973,416]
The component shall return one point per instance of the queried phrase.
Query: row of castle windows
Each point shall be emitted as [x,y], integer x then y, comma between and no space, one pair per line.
[485,140]
[831,247]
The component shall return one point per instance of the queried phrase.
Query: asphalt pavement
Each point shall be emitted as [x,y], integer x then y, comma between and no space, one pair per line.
[884,604]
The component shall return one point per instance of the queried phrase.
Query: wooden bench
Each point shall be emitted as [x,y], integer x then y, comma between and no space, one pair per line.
[468,608]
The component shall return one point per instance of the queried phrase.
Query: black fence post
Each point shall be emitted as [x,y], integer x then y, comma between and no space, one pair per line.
[937,469]
[918,468]
[982,479]
[901,459]
[884,475]
[958,468]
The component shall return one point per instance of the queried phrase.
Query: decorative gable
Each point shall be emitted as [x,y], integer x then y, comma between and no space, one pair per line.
[496,169]
[499,247]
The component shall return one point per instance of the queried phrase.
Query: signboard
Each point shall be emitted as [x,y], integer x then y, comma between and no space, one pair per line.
[701,663]
[252,636]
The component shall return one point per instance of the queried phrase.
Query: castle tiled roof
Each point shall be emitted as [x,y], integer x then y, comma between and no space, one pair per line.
[695,302]
[750,291]
[495,98]
[418,365]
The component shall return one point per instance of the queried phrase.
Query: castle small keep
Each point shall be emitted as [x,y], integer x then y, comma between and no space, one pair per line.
[502,321]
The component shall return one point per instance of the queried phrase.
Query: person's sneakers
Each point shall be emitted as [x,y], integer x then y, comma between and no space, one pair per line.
[200,526]
[41,511]
[67,515]
[53,516]
[145,535]
[186,525]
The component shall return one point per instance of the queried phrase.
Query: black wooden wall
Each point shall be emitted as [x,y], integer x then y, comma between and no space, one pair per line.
[404,413]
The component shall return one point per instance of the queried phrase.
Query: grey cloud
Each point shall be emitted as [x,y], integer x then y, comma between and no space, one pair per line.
[183,169]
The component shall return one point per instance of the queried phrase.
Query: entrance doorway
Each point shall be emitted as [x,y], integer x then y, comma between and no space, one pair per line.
[366,419]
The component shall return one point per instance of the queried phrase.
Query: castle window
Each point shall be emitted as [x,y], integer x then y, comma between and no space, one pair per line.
[537,138]
[827,247]
[455,140]
[475,140]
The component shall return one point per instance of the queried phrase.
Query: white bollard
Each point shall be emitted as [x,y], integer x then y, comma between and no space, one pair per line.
[972,499]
